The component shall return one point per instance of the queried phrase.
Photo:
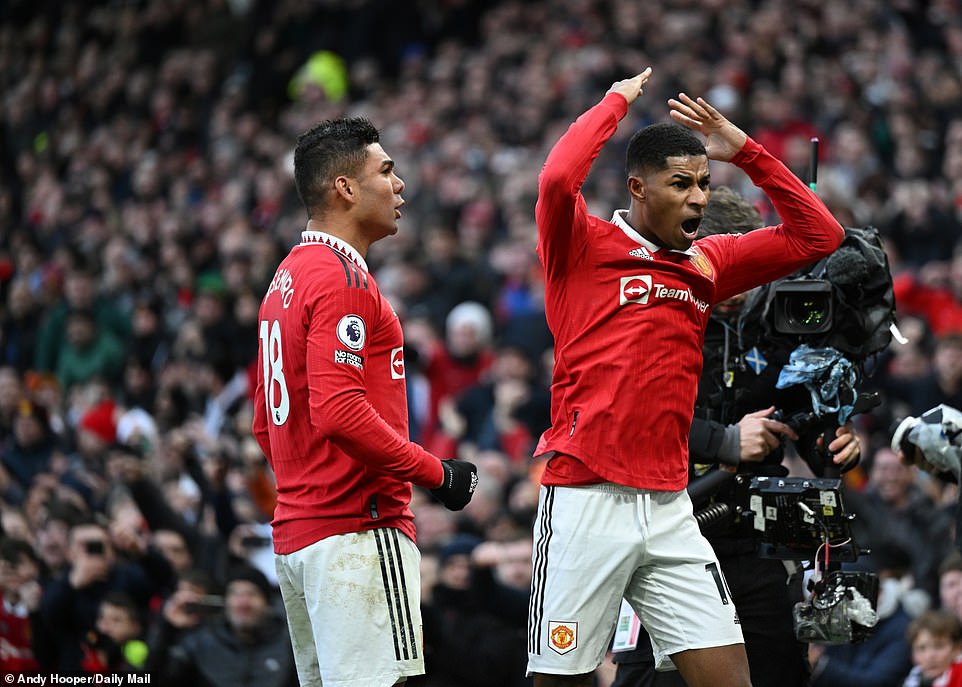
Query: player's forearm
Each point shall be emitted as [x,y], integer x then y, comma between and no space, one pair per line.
[571,157]
[560,210]
[351,422]
[809,224]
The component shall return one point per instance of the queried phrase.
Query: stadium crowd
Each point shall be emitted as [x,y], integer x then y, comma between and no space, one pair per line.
[145,200]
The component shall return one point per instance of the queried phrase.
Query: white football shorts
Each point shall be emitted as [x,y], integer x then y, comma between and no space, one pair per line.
[594,545]
[353,605]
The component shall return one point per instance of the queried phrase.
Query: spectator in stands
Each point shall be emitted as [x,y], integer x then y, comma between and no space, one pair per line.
[87,352]
[950,584]
[118,644]
[71,602]
[30,447]
[505,411]
[454,365]
[475,624]
[893,508]
[20,593]
[936,641]
[79,296]
[247,645]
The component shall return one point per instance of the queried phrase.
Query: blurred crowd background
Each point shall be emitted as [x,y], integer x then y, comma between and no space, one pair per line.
[146,198]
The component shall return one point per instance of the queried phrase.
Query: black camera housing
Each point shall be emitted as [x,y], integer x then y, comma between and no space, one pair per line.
[792,517]
[803,306]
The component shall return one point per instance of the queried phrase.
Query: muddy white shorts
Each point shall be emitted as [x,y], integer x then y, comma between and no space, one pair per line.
[594,545]
[353,608]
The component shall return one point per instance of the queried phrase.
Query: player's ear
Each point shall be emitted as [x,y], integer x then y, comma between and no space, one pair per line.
[636,187]
[344,188]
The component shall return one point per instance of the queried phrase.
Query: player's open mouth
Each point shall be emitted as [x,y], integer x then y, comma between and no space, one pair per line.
[690,227]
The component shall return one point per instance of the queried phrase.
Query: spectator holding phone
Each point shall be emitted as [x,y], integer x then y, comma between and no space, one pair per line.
[71,602]
[245,643]
[196,599]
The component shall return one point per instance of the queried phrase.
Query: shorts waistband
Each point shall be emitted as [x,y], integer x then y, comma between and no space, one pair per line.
[613,488]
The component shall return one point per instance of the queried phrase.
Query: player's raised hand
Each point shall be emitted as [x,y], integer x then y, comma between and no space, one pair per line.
[631,88]
[722,138]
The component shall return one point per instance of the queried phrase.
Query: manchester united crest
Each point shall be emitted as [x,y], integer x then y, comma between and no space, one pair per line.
[562,636]
[702,264]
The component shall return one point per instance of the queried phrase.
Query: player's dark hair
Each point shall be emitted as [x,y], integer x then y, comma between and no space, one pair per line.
[728,212]
[650,148]
[331,148]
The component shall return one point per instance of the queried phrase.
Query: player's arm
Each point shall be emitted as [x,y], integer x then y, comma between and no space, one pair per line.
[561,212]
[339,407]
[808,231]
[341,412]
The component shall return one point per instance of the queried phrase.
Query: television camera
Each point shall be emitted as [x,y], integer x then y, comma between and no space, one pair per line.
[833,316]
[804,519]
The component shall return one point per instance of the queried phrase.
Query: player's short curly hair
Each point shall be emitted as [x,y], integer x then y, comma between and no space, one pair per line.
[650,148]
[331,148]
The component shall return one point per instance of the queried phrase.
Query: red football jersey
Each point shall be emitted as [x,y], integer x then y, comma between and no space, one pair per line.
[330,410]
[16,640]
[629,317]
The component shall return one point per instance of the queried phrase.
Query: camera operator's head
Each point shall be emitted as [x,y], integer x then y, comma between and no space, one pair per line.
[728,212]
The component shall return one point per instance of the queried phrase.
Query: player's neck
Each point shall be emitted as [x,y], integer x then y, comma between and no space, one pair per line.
[352,238]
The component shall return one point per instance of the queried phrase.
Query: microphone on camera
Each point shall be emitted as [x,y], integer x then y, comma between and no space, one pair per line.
[846,266]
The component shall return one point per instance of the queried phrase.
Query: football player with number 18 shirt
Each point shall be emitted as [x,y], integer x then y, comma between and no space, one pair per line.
[330,415]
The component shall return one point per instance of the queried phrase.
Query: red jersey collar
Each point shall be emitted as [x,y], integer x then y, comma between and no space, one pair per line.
[309,237]
[618,219]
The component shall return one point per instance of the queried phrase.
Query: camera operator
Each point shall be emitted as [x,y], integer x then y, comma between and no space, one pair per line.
[734,430]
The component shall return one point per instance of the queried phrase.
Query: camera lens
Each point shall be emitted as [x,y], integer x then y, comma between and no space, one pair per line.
[803,306]
[807,311]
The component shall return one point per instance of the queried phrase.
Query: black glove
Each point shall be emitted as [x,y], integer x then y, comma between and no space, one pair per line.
[460,481]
